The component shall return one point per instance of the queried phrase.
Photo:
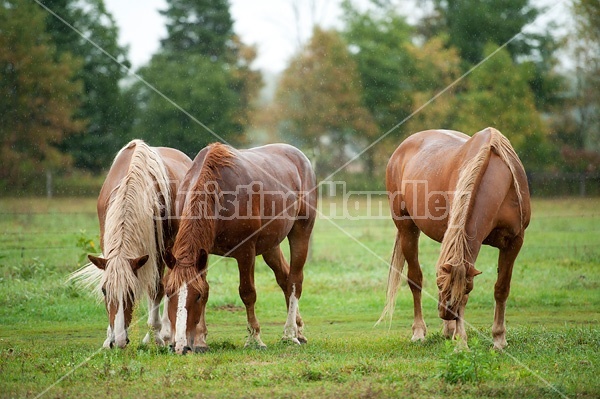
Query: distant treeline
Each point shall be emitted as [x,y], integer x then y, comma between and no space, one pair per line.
[68,101]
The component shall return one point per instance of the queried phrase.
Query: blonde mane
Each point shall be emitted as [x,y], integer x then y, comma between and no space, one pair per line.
[196,231]
[133,228]
[455,244]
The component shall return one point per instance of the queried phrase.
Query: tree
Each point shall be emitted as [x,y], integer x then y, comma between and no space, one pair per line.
[103,103]
[498,95]
[203,68]
[436,70]
[202,27]
[198,86]
[39,97]
[321,105]
[379,40]
[586,45]
[471,24]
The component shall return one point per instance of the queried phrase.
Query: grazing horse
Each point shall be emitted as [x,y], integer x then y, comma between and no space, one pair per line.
[240,204]
[135,211]
[463,192]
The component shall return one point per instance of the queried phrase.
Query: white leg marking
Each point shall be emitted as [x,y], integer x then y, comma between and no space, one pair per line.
[165,332]
[110,337]
[290,331]
[120,331]
[181,320]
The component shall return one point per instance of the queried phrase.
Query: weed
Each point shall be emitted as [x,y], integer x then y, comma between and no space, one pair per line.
[87,246]
[467,365]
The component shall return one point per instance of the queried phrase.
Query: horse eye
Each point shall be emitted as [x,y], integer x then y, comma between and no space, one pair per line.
[103,291]
[198,298]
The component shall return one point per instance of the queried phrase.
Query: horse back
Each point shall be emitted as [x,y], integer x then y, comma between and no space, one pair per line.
[424,172]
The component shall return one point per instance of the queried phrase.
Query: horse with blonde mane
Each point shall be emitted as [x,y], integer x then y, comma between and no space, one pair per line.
[463,192]
[240,204]
[135,211]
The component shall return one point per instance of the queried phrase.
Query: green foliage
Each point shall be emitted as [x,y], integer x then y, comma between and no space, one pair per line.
[202,27]
[39,96]
[471,24]
[87,246]
[475,364]
[379,40]
[198,85]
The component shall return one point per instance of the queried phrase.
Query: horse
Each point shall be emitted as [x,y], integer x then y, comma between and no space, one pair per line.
[135,212]
[240,204]
[463,192]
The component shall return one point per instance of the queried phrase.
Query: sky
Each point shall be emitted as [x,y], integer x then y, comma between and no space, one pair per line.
[271,25]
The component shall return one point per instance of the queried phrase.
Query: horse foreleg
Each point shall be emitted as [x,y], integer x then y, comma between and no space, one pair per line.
[165,331]
[247,292]
[201,330]
[449,328]
[460,333]
[506,261]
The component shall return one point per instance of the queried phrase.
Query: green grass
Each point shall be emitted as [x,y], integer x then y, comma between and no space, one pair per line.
[51,334]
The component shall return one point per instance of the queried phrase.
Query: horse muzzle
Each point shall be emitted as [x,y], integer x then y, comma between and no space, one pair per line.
[446,312]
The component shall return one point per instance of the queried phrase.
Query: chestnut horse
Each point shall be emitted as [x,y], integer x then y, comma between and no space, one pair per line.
[240,204]
[135,211]
[463,192]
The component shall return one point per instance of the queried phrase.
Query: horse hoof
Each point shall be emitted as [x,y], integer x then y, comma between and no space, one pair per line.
[201,349]
[302,340]
[186,349]
[291,340]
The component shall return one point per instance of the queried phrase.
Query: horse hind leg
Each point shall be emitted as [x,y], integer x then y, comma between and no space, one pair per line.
[506,261]
[409,244]
[276,261]
[299,239]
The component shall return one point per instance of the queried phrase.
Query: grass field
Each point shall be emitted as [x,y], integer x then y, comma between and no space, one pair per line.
[51,334]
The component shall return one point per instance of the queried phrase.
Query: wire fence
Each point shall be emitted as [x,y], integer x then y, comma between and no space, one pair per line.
[21,243]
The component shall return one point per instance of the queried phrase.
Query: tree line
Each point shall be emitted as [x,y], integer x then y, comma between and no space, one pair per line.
[348,95]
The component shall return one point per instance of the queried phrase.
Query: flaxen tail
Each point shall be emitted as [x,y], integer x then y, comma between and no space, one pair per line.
[394,280]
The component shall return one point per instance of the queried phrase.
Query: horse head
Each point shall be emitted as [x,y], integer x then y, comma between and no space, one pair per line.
[187,290]
[454,285]
[119,289]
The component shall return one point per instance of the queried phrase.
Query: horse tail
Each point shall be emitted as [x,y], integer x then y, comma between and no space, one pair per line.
[394,280]
[455,244]
[502,147]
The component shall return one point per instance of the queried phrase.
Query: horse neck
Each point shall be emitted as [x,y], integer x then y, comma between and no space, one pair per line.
[197,227]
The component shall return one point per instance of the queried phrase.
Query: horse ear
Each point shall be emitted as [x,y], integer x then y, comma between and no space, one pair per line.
[202,260]
[472,272]
[138,262]
[169,258]
[99,262]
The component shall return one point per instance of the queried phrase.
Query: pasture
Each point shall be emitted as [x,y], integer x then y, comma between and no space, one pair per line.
[51,334]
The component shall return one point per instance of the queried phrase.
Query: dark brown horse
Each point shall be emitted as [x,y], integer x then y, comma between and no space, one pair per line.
[240,204]
[135,210]
[463,192]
